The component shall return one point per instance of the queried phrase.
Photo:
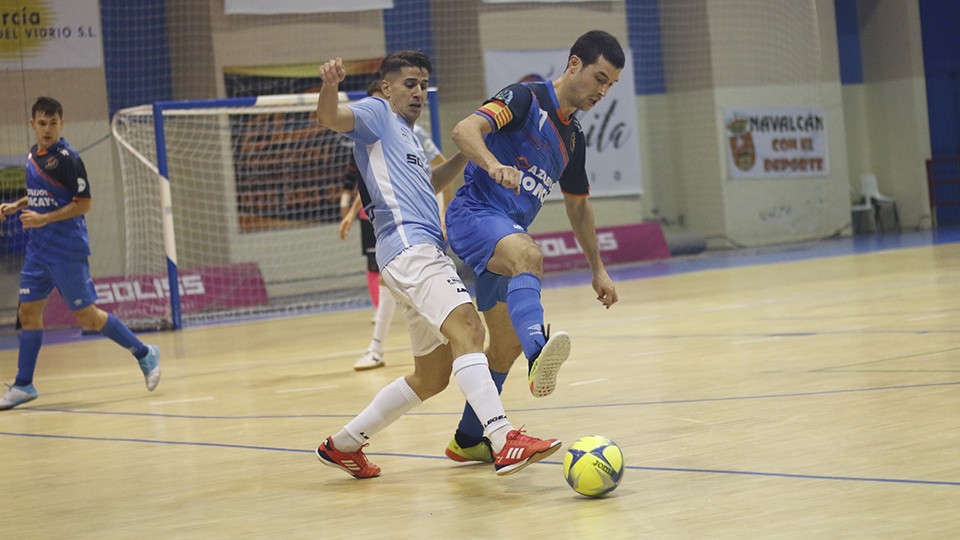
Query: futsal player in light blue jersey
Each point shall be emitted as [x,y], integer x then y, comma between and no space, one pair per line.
[58,196]
[446,332]
[522,143]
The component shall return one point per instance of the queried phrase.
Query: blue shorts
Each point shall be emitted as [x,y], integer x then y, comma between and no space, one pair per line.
[473,232]
[491,288]
[71,278]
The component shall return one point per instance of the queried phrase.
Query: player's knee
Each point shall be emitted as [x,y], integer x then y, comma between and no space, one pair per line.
[91,318]
[464,329]
[474,332]
[30,317]
[530,259]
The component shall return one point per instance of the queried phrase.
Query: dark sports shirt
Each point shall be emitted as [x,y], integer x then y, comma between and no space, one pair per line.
[529,134]
[352,180]
[55,178]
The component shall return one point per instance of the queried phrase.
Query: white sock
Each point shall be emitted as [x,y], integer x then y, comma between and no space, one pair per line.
[392,402]
[473,376]
[382,319]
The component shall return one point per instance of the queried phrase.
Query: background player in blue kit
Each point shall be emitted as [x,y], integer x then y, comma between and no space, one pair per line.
[520,144]
[445,330]
[58,195]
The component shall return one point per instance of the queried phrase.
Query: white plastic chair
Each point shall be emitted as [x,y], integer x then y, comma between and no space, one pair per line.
[858,210]
[870,191]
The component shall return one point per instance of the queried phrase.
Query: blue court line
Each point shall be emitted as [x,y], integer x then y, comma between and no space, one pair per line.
[458,413]
[419,456]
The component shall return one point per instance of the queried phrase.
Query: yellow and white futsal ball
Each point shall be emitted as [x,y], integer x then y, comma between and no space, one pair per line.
[593,466]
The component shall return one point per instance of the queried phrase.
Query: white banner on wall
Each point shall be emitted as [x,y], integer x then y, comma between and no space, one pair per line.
[776,142]
[275,7]
[50,34]
[613,147]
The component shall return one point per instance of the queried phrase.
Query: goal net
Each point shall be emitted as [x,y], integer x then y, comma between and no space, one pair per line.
[236,201]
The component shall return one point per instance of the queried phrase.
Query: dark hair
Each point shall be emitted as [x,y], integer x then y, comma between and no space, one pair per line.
[596,43]
[394,62]
[47,106]
[374,85]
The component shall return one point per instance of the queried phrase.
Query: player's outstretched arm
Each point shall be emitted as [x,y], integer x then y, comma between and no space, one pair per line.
[580,214]
[330,113]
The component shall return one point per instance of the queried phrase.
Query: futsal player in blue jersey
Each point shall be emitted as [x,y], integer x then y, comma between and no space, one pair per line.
[522,143]
[58,196]
[445,329]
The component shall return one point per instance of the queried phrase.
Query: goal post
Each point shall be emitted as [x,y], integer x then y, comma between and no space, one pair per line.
[232,210]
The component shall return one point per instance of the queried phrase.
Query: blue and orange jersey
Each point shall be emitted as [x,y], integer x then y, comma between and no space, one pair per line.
[55,178]
[530,134]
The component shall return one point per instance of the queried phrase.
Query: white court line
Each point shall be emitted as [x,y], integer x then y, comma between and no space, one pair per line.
[591,381]
[290,390]
[181,401]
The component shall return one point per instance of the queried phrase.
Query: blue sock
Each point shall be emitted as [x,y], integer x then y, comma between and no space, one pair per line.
[119,333]
[526,313]
[30,341]
[470,431]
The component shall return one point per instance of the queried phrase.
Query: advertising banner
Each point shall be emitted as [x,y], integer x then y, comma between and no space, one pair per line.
[773,142]
[208,288]
[50,34]
[618,245]
[274,7]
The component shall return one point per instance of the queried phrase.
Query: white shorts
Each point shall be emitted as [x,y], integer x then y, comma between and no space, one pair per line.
[425,281]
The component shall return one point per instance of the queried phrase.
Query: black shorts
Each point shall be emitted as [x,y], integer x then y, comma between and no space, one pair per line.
[368,245]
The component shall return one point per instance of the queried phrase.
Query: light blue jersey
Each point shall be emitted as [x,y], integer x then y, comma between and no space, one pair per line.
[396,173]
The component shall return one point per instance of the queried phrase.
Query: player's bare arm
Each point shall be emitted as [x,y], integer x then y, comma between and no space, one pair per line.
[444,173]
[8,209]
[330,113]
[347,221]
[468,136]
[32,220]
[580,214]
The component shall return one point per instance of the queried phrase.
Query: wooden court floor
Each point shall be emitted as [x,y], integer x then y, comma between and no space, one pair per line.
[811,398]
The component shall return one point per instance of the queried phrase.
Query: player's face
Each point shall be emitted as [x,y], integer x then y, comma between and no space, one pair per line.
[406,91]
[47,129]
[592,82]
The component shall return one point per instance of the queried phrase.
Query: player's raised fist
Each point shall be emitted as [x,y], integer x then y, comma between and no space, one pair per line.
[332,71]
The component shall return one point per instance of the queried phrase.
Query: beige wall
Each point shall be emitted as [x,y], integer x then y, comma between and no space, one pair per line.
[894,106]
[713,62]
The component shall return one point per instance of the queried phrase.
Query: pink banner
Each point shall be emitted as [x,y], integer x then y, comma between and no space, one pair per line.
[621,244]
[209,288]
